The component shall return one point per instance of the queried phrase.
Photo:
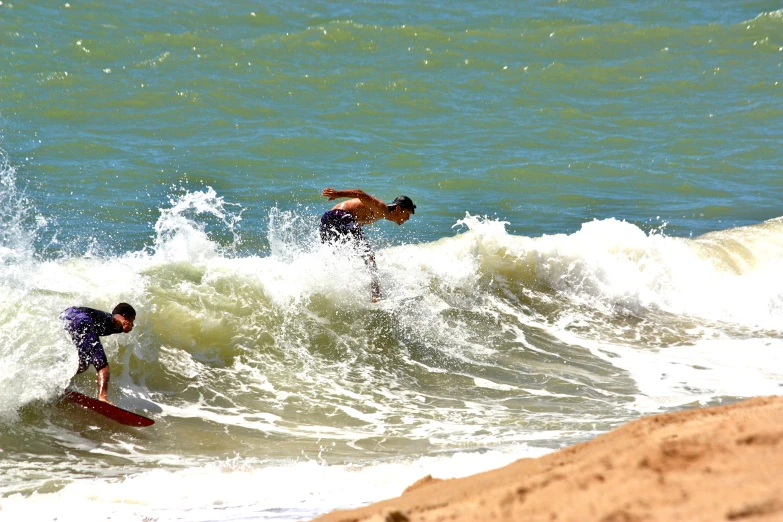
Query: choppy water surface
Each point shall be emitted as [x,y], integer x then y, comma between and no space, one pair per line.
[597,237]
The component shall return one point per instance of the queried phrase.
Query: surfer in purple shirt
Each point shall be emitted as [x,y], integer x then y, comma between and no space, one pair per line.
[344,222]
[86,325]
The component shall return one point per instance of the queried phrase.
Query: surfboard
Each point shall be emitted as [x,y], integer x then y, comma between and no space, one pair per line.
[111,411]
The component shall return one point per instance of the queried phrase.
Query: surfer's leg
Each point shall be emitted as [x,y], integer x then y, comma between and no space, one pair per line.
[103,383]
[91,351]
[83,362]
[375,284]
[98,359]
[364,249]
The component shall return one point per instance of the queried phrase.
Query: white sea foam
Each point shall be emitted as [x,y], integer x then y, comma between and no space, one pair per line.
[240,489]
[726,276]
[608,266]
[278,347]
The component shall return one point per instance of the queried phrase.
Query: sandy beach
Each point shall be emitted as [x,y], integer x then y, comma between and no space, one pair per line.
[703,464]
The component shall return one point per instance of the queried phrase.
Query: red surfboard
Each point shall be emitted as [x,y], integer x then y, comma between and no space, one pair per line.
[109,410]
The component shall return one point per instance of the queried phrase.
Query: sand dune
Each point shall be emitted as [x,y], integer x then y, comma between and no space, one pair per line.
[707,464]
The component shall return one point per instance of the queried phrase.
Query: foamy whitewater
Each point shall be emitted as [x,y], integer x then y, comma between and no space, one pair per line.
[280,391]
[598,236]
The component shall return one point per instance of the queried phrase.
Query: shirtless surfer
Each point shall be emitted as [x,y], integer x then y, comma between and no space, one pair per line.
[344,222]
[85,325]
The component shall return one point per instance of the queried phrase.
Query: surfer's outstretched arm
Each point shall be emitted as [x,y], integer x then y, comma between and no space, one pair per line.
[362,206]
[353,193]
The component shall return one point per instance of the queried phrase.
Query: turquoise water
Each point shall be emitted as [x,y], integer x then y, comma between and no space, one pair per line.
[597,237]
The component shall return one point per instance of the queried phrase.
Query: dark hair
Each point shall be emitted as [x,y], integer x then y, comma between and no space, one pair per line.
[403,202]
[125,310]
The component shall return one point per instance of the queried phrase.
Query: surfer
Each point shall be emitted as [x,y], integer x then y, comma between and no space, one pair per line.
[85,325]
[343,224]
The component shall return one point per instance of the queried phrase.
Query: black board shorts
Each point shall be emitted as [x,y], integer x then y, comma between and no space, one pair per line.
[340,227]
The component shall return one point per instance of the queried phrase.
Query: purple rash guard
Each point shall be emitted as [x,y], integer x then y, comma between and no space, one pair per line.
[85,325]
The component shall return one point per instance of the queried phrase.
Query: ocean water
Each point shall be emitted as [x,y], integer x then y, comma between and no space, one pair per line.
[598,237]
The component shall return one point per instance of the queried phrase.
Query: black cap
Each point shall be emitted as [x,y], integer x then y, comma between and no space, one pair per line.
[404,202]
